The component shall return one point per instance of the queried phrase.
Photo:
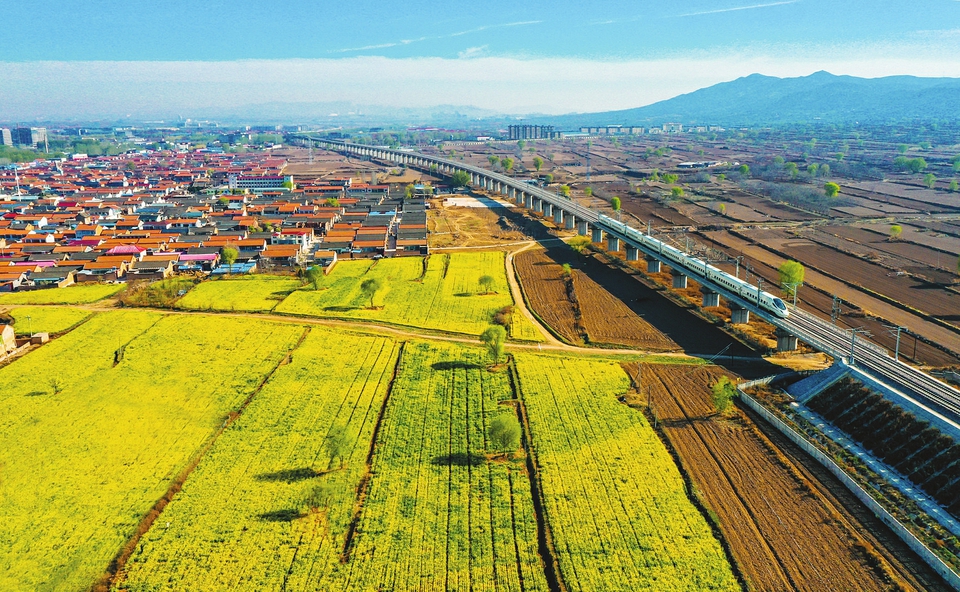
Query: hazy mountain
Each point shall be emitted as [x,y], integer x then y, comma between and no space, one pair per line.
[350,114]
[767,100]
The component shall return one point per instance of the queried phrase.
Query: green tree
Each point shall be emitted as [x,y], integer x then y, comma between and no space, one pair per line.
[824,170]
[408,191]
[792,169]
[504,433]
[289,185]
[565,270]
[722,208]
[930,180]
[831,189]
[916,165]
[320,495]
[615,203]
[812,169]
[744,170]
[521,144]
[902,148]
[579,243]
[537,163]
[588,191]
[494,337]
[676,192]
[791,276]
[507,164]
[494,160]
[229,255]
[778,160]
[565,190]
[370,287]
[549,178]
[895,231]
[314,276]
[670,178]
[486,283]
[460,179]
[333,202]
[722,393]
[953,185]
[337,445]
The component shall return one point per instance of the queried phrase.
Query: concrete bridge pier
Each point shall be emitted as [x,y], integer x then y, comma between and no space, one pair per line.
[710,298]
[557,216]
[538,204]
[529,200]
[571,221]
[547,209]
[785,341]
[633,253]
[596,235]
[513,193]
[738,314]
[679,280]
[653,265]
[613,243]
[582,227]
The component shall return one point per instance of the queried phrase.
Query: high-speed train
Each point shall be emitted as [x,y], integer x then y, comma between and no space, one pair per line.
[670,254]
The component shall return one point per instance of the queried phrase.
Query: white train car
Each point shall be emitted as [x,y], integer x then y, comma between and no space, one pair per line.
[681,260]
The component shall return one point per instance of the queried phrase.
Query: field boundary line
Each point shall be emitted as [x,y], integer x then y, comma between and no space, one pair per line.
[545,546]
[364,486]
[114,574]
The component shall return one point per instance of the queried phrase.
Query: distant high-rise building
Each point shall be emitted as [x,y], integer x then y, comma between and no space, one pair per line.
[532,132]
[6,139]
[30,136]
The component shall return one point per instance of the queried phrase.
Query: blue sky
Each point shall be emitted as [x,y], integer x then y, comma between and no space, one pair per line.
[76,57]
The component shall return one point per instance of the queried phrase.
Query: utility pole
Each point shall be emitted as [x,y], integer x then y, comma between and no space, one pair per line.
[896,330]
[792,287]
[835,310]
[759,289]
[853,341]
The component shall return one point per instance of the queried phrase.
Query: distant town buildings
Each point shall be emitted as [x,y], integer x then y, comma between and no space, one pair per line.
[30,136]
[532,132]
[612,130]
[6,138]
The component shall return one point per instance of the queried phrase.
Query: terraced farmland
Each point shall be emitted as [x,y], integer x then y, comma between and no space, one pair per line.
[443,294]
[241,521]
[440,514]
[258,293]
[47,319]
[79,294]
[96,426]
[615,501]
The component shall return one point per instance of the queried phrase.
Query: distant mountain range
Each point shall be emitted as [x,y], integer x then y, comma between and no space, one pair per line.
[766,100]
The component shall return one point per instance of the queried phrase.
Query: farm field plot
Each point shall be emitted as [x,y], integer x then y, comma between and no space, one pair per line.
[903,254]
[595,317]
[911,192]
[442,293]
[646,209]
[240,521]
[773,209]
[615,500]
[248,293]
[79,294]
[46,319]
[922,296]
[783,534]
[115,435]
[441,514]
[765,264]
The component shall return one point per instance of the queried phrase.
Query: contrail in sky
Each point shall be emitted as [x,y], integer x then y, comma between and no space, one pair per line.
[737,8]
[457,34]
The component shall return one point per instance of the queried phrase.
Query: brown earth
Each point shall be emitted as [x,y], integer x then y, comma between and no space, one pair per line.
[578,308]
[783,533]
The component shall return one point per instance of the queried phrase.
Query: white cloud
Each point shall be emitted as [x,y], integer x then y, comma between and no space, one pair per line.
[433,38]
[472,52]
[505,84]
[719,10]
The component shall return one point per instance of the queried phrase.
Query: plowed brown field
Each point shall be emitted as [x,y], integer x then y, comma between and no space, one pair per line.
[595,317]
[783,533]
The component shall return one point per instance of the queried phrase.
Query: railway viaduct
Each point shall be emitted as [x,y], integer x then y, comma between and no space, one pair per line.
[941,399]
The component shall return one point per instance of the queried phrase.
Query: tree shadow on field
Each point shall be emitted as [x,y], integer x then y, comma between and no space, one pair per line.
[290,475]
[458,459]
[340,308]
[464,294]
[455,365]
[287,515]
[35,394]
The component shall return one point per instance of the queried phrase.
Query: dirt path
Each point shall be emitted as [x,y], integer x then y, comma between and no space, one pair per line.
[518,298]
